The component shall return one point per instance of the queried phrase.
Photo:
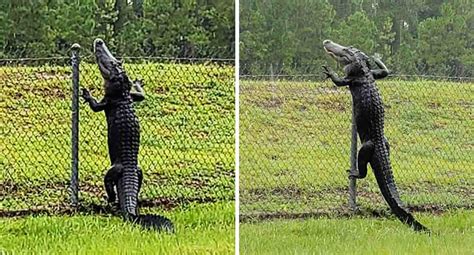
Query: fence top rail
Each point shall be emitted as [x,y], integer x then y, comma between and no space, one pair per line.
[294,76]
[31,59]
[124,57]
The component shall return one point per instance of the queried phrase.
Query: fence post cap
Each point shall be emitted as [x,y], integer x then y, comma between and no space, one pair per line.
[76,46]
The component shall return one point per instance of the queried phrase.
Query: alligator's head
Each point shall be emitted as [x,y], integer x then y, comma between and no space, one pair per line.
[351,58]
[115,77]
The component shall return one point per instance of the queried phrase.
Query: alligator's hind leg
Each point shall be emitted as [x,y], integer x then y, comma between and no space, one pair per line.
[363,159]
[110,181]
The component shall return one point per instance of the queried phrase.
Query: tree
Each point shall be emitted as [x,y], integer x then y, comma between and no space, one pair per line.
[444,43]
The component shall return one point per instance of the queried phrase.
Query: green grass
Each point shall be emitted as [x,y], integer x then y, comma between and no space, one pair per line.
[187,139]
[200,229]
[295,143]
[454,234]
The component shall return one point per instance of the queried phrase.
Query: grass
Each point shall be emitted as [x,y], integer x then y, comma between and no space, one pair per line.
[295,144]
[200,229]
[187,139]
[454,234]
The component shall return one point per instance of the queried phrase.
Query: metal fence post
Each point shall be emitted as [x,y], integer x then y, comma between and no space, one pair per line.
[353,170]
[75,60]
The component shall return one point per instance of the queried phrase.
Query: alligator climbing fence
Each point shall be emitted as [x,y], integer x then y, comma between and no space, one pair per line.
[295,145]
[187,137]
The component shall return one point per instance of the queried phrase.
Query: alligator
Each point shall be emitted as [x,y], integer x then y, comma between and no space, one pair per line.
[369,117]
[124,178]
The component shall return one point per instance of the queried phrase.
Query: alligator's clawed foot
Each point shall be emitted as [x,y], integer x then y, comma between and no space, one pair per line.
[354,175]
[328,72]
[138,82]
[86,95]
[110,198]
[113,208]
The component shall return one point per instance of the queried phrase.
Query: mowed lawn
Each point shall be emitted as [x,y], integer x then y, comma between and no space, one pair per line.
[200,229]
[453,233]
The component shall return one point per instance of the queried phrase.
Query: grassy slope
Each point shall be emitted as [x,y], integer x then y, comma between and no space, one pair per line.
[295,140]
[187,142]
[200,229]
[454,235]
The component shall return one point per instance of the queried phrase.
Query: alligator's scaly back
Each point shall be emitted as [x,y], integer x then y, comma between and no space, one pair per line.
[369,117]
[124,177]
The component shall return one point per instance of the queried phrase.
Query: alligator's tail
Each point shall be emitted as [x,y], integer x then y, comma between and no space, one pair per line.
[384,175]
[153,222]
[128,200]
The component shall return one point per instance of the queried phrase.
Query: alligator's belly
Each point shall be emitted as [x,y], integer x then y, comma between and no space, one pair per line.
[369,113]
[124,133]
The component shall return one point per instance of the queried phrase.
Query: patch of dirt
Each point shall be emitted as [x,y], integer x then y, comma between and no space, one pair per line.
[50,92]
[466,104]
[53,74]
[330,195]
[332,106]
[88,190]
[161,90]
[269,103]
[433,105]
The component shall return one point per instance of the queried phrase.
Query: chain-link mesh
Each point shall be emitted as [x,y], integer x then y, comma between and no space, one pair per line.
[187,132]
[35,132]
[295,145]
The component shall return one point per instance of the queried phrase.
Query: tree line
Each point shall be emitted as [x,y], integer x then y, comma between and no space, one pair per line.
[174,28]
[412,36]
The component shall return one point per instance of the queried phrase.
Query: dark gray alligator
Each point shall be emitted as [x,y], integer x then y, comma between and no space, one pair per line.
[369,117]
[123,138]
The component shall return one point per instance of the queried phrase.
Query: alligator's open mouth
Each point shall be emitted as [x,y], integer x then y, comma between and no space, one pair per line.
[109,66]
[338,52]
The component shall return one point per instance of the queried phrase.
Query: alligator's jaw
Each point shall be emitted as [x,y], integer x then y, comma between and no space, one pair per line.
[109,66]
[338,52]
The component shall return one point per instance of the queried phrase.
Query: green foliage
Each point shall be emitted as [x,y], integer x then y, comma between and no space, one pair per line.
[444,42]
[281,33]
[359,29]
[413,36]
[190,28]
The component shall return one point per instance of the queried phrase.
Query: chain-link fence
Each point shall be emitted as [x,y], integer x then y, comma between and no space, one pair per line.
[295,145]
[187,133]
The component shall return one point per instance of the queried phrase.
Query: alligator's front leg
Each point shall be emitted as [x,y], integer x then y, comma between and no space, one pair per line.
[95,106]
[380,73]
[137,92]
[335,78]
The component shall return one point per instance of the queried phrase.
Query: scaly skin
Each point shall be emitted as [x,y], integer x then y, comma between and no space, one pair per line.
[123,138]
[369,117]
